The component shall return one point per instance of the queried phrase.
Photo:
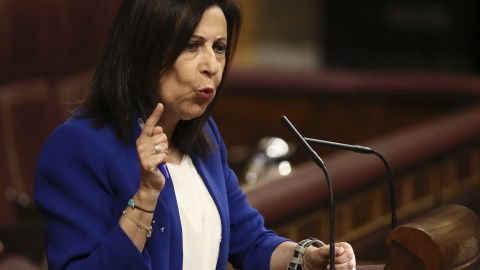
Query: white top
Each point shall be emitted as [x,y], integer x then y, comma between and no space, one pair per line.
[201,225]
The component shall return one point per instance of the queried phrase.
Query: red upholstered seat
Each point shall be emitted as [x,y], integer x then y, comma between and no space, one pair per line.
[27,38]
[27,118]
[17,262]
[69,90]
[52,38]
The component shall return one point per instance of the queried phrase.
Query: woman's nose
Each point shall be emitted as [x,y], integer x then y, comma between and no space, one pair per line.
[210,64]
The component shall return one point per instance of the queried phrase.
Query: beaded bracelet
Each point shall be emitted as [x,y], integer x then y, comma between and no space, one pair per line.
[143,226]
[132,204]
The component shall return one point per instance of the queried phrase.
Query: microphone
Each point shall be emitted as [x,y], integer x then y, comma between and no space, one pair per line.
[365,150]
[320,163]
[354,148]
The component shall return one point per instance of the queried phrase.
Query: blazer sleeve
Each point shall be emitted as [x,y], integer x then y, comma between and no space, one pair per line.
[251,244]
[72,192]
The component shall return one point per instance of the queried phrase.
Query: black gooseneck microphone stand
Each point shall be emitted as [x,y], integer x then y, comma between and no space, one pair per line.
[320,163]
[365,150]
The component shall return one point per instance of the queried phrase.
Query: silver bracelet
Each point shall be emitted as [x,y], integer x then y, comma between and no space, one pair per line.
[296,263]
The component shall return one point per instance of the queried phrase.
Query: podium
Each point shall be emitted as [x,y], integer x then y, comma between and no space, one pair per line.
[446,238]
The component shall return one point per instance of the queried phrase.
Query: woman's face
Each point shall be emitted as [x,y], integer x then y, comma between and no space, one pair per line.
[190,84]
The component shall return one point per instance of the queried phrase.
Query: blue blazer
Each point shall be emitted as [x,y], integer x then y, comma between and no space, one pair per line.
[84,179]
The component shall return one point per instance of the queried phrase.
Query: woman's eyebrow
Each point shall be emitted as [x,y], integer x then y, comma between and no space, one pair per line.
[221,38]
[198,37]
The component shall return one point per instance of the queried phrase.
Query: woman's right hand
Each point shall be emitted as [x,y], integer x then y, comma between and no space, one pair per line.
[152,180]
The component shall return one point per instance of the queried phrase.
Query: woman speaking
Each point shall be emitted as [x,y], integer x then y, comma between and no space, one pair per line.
[137,178]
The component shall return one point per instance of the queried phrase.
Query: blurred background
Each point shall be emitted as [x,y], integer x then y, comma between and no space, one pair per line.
[399,76]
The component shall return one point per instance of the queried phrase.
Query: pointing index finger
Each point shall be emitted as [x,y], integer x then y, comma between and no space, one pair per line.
[153,119]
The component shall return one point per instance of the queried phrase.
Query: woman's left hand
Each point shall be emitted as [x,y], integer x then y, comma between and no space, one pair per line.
[151,179]
[318,258]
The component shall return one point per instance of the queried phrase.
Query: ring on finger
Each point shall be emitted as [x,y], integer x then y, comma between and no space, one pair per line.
[158,148]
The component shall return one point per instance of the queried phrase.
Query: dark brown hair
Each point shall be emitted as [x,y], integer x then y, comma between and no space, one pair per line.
[146,38]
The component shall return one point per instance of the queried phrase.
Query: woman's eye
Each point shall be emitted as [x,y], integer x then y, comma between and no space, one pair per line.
[191,46]
[220,48]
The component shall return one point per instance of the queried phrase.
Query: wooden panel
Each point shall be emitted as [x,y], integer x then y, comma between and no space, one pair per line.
[348,107]
[441,165]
